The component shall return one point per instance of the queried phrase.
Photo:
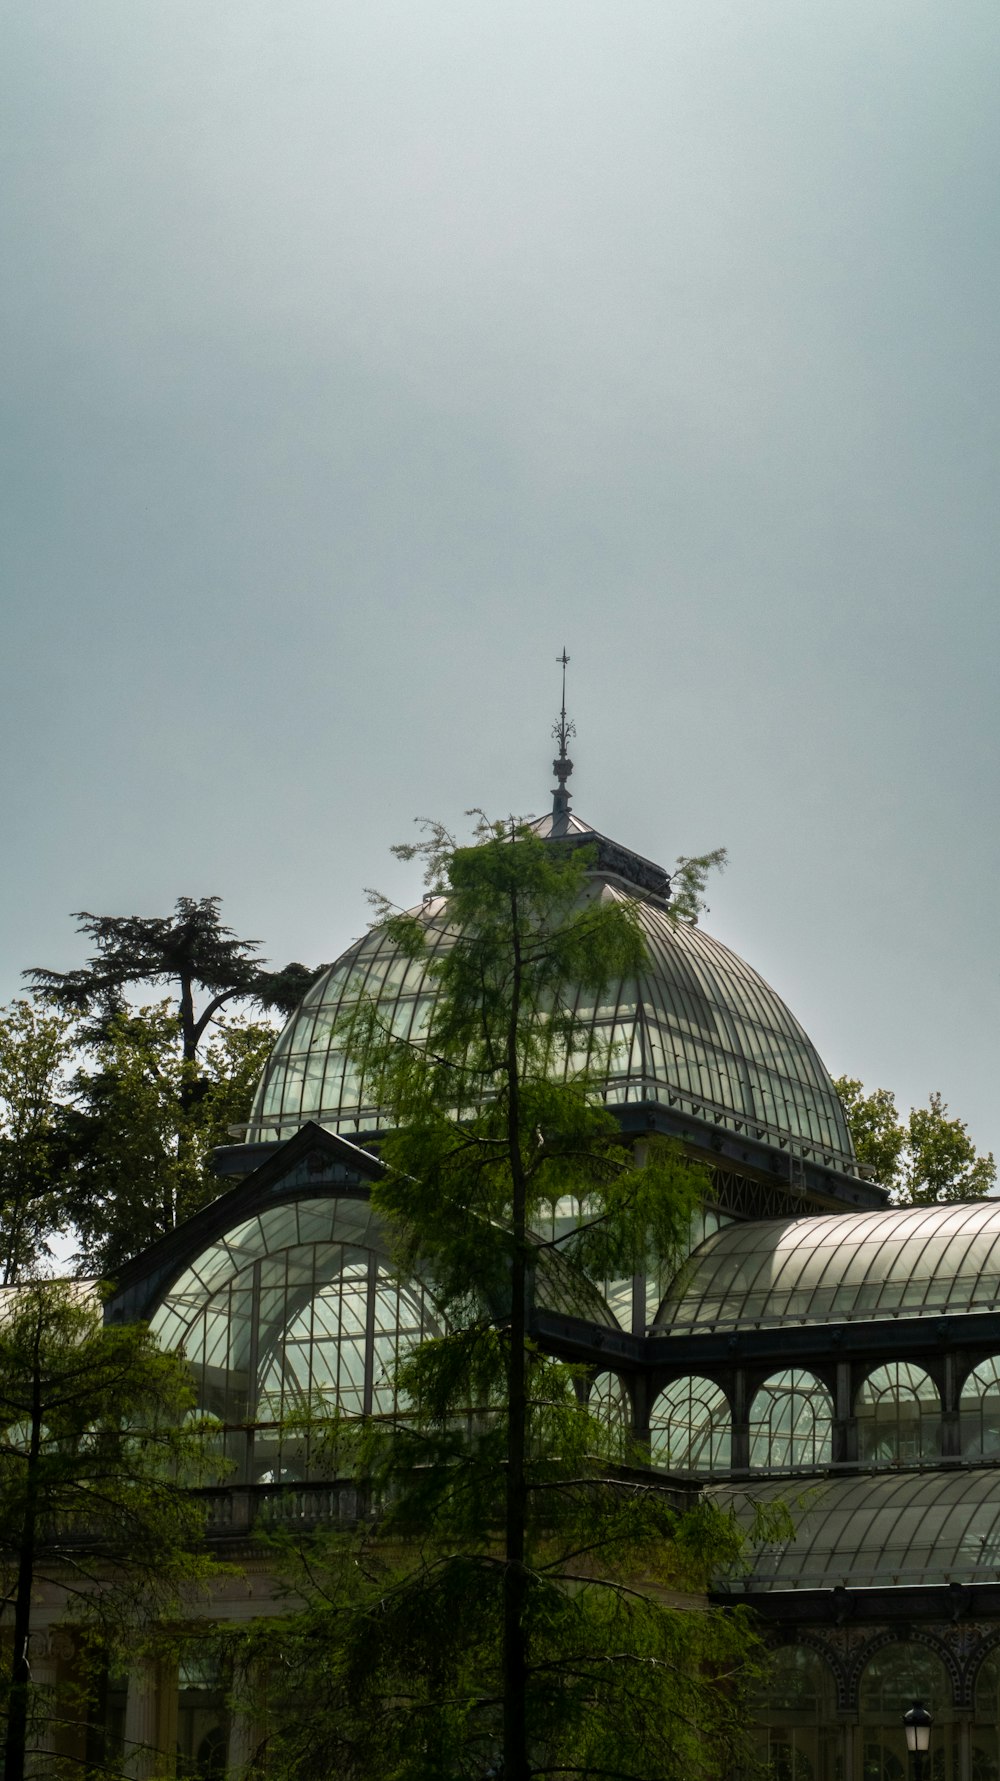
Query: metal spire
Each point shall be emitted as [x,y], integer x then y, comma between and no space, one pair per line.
[562,766]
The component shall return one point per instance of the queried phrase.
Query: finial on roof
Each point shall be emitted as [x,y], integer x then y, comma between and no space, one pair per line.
[562,766]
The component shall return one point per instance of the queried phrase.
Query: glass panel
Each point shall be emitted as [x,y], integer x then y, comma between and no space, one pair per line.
[701,1024]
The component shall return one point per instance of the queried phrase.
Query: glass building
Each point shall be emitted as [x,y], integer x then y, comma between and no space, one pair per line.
[817,1347]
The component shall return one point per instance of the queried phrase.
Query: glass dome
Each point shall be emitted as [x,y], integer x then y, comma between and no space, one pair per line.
[698,1031]
[902,1262]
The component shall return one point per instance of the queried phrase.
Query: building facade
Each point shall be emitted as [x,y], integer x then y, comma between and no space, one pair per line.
[818,1347]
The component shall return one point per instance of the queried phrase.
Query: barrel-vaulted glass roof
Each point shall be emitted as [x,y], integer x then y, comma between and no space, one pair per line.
[899,1262]
[698,1031]
[865,1532]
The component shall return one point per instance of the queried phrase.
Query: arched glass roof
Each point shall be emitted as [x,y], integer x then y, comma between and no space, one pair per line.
[699,1031]
[900,1262]
[870,1531]
[325,1226]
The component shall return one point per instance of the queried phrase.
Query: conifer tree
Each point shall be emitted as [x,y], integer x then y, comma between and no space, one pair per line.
[527,1599]
[94,1456]
[191,949]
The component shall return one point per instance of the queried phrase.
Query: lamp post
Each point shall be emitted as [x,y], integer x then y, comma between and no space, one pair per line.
[917,1726]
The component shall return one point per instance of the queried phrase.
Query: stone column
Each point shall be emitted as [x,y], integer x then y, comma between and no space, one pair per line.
[247,1726]
[151,1719]
[43,1732]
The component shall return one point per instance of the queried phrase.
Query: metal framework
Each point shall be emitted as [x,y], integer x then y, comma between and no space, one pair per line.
[698,1031]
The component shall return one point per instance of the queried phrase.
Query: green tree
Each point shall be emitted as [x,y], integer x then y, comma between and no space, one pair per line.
[139,1135]
[525,1600]
[35,1049]
[190,949]
[923,1161]
[93,1459]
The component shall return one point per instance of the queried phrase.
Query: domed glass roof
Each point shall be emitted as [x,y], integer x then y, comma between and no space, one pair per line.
[698,1031]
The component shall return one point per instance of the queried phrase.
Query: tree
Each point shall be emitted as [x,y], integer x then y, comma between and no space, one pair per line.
[93,1460]
[144,1120]
[166,1083]
[520,1602]
[35,1048]
[190,949]
[927,1160]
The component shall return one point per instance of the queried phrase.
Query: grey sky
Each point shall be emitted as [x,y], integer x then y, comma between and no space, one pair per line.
[358,357]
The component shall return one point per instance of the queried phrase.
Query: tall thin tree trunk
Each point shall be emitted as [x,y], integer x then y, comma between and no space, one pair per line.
[20,1667]
[189,1035]
[515,1754]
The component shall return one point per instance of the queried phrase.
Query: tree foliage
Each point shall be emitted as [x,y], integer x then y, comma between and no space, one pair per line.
[926,1159]
[688,882]
[110,1133]
[35,1051]
[526,1599]
[144,1119]
[191,949]
[94,1457]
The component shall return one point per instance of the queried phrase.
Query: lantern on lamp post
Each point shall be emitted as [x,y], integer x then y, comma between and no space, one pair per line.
[917,1726]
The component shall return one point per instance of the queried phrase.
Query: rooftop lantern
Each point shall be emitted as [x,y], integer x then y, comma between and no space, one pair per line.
[917,1726]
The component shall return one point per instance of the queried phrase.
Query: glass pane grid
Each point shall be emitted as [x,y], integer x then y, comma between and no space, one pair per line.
[701,1031]
[840,1267]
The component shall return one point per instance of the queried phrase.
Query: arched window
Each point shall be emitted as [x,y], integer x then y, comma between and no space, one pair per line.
[690,1429]
[791,1422]
[799,1739]
[986,1720]
[896,1676]
[980,1411]
[899,1415]
[293,1314]
[610,1403]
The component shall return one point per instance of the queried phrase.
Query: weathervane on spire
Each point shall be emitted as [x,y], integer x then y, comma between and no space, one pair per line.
[562,766]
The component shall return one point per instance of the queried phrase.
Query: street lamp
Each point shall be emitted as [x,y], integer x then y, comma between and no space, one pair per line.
[917,1726]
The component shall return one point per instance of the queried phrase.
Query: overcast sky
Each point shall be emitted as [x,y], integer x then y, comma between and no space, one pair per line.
[359,357]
